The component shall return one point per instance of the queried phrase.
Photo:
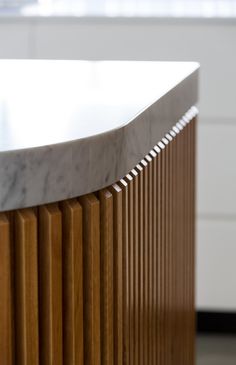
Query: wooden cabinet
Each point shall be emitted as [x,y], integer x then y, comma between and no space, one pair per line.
[107,278]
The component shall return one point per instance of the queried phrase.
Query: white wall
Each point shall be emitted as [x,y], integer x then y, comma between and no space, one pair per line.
[210,42]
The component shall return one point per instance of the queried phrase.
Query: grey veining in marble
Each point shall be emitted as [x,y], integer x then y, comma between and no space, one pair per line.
[68,128]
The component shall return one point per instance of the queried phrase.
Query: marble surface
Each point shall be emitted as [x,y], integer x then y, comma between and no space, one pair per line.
[72,127]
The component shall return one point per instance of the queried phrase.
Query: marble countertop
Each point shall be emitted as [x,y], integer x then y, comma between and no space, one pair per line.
[71,127]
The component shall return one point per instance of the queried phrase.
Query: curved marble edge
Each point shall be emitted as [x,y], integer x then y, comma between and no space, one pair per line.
[49,174]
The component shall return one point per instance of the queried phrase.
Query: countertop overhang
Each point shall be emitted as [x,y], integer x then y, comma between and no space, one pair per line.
[73,127]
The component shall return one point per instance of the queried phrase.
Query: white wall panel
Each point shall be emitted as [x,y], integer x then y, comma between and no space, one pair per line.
[217,169]
[216,268]
[14,39]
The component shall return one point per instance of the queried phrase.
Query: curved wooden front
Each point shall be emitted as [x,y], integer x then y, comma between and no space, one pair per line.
[107,278]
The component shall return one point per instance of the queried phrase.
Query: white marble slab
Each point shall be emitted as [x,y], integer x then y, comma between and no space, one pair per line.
[71,127]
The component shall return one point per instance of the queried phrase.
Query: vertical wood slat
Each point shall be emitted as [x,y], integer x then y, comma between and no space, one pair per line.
[26,287]
[72,250]
[174,245]
[125,273]
[118,272]
[153,166]
[185,239]
[129,180]
[188,224]
[134,175]
[188,239]
[91,265]
[144,165]
[167,251]
[162,258]
[185,153]
[179,309]
[150,256]
[50,284]
[107,293]
[182,296]
[192,137]
[158,258]
[6,300]
[186,235]
[170,252]
[139,171]
[175,345]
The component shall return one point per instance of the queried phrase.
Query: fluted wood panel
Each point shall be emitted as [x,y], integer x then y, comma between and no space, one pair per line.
[107,278]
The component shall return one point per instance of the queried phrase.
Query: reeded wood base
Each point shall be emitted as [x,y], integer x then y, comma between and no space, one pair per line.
[107,278]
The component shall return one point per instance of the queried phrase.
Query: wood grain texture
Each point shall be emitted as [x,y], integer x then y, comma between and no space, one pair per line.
[72,250]
[170,247]
[162,254]
[107,287]
[153,166]
[192,178]
[130,267]
[91,265]
[134,175]
[150,257]
[145,261]
[6,293]
[125,262]
[106,278]
[175,278]
[26,287]
[50,285]
[159,257]
[140,269]
[167,251]
[118,272]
